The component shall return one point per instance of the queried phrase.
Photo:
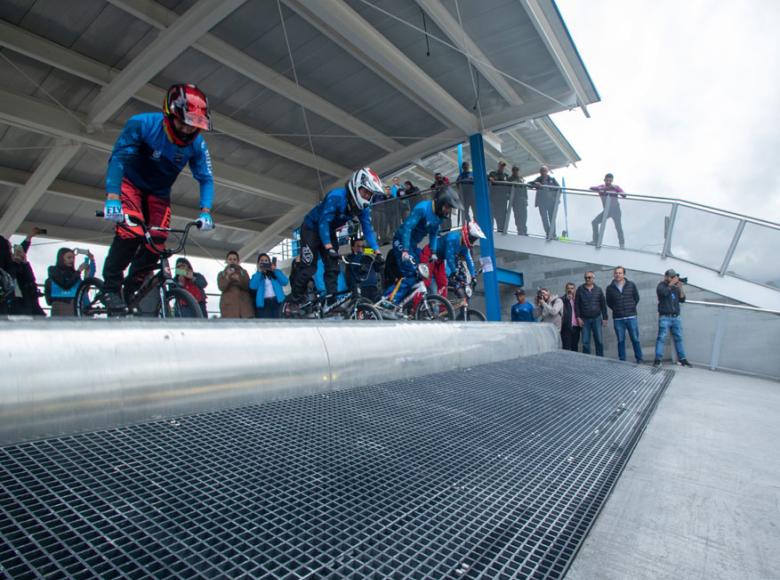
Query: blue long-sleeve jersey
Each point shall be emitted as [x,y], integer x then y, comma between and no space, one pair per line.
[422,221]
[331,214]
[450,247]
[145,155]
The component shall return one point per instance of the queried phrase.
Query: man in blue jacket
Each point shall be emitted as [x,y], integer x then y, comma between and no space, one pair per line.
[424,220]
[151,151]
[318,232]
[522,311]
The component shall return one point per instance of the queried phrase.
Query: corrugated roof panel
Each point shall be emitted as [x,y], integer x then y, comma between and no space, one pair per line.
[14,10]
[47,18]
[114,39]
[20,149]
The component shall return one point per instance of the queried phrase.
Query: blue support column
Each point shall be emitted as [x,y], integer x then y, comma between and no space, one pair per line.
[485,220]
[460,156]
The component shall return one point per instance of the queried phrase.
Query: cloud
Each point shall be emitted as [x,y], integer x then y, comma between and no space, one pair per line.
[689,100]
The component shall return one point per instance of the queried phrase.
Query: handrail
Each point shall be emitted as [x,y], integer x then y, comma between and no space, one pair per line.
[734,306]
[655,199]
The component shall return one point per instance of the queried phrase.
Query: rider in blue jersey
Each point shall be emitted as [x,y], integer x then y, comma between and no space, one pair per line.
[424,220]
[457,244]
[148,156]
[318,232]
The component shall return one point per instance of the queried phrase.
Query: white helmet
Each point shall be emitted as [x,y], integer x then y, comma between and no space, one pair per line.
[367,179]
[472,233]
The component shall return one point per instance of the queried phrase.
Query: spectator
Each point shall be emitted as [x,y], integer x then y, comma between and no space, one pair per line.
[409,189]
[465,172]
[590,305]
[570,328]
[193,283]
[356,262]
[499,194]
[439,182]
[519,201]
[546,193]
[64,280]
[522,311]
[670,294]
[465,183]
[269,284]
[608,191]
[24,299]
[233,282]
[622,298]
[549,308]
[396,188]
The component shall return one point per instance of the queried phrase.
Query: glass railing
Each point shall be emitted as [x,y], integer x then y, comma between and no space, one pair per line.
[728,243]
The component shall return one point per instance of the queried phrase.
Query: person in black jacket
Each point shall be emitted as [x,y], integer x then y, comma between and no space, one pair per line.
[25,292]
[570,328]
[670,294]
[547,189]
[622,298]
[590,305]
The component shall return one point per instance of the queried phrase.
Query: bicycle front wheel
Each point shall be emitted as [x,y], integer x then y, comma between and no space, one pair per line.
[88,302]
[179,303]
[365,312]
[434,308]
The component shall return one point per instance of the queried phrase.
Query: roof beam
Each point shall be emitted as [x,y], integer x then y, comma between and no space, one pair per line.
[545,30]
[35,115]
[159,17]
[35,186]
[522,142]
[169,44]
[269,237]
[340,23]
[556,137]
[70,61]
[455,32]
[86,193]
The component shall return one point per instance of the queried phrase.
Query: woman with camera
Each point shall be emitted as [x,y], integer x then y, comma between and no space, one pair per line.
[236,300]
[269,284]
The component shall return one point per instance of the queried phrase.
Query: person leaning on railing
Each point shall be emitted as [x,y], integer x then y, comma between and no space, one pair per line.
[519,201]
[499,195]
[609,192]
[546,193]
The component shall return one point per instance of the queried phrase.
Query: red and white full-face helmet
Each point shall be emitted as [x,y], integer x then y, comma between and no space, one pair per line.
[367,179]
[189,105]
[472,233]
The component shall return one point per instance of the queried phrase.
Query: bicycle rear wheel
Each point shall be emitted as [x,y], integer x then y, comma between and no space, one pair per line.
[471,315]
[180,304]
[88,302]
[434,308]
[365,311]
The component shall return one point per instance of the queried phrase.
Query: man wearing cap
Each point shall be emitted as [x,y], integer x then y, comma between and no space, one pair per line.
[670,294]
[522,311]
[519,201]
[546,193]
[499,194]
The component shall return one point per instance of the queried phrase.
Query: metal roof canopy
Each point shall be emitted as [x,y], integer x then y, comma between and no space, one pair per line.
[367,87]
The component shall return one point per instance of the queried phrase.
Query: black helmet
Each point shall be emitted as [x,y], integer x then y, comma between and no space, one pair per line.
[446,197]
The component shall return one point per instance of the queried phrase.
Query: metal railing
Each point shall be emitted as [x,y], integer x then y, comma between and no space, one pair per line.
[728,243]
[732,337]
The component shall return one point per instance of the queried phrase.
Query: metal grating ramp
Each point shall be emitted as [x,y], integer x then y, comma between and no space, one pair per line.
[493,472]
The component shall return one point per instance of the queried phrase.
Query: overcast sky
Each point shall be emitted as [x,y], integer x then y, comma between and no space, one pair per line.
[690,94]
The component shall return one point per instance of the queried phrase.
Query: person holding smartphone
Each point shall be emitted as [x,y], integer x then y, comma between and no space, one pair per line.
[236,300]
[192,282]
[269,284]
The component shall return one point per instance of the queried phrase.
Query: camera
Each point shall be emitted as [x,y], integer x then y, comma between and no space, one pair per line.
[81,251]
[683,280]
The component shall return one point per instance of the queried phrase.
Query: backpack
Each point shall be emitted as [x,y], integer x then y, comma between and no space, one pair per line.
[7,286]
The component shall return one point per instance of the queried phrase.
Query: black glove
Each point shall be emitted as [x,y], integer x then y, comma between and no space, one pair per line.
[379,259]
[333,253]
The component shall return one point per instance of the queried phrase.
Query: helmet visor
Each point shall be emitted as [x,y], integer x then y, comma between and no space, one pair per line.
[197,118]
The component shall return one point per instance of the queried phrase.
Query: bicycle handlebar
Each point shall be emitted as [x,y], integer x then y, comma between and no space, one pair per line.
[128,222]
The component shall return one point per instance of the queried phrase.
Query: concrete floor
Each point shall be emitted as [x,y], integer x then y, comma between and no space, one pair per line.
[700,497]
